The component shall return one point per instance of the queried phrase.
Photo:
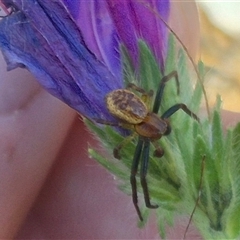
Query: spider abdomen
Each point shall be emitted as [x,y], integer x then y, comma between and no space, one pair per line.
[152,127]
[126,106]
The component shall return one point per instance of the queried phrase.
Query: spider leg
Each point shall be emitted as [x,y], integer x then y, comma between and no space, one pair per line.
[136,88]
[117,149]
[104,122]
[159,94]
[133,181]
[124,142]
[146,96]
[114,124]
[175,108]
[159,152]
[143,173]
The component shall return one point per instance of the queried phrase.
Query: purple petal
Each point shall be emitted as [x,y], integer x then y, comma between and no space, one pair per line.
[73,7]
[51,46]
[140,19]
[98,31]
[133,19]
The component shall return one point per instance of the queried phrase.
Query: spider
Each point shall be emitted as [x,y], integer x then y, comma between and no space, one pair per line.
[134,113]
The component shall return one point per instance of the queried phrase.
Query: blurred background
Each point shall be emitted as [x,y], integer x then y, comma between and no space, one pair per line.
[220,50]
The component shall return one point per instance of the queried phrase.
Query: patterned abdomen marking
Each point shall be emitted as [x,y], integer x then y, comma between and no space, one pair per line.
[125,105]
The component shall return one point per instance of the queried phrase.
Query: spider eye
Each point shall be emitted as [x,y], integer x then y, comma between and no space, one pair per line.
[168,130]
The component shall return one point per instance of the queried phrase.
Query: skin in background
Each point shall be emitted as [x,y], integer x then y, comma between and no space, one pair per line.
[49,188]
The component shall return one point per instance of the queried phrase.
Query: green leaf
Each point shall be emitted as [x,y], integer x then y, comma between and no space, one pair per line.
[185,82]
[235,162]
[149,72]
[127,67]
[217,141]
[170,63]
[197,93]
[233,222]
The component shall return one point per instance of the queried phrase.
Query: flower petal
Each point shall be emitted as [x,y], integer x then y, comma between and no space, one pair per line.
[140,19]
[133,19]
[98,31]
[51,46]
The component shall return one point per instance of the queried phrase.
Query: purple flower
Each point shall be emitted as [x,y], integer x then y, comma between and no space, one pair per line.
[72,47]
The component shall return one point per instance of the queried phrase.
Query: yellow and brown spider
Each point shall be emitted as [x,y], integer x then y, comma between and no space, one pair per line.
[134,113]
